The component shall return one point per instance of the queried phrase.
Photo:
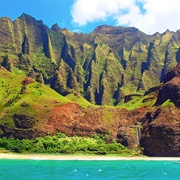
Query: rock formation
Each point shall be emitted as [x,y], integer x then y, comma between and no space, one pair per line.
[161,126]
[171,87]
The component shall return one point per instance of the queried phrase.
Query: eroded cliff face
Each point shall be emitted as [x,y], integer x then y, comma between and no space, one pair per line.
[161,126]
[161,132]
[87,122]
[105,67]
[171,88]
[102,66]
[71,119]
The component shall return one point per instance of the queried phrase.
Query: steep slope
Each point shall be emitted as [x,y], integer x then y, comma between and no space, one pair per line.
[102,66]
[161,126]
[160,133]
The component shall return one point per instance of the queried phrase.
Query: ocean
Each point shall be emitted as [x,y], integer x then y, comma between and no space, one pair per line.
[88,169]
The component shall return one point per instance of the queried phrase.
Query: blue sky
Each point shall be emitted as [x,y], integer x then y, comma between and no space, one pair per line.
[149,16]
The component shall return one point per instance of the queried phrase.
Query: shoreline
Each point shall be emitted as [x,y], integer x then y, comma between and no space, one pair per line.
[81,157]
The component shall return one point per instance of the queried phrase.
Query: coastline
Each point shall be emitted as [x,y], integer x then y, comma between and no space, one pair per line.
[81,157]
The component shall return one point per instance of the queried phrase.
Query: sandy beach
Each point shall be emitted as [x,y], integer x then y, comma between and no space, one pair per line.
[80,157]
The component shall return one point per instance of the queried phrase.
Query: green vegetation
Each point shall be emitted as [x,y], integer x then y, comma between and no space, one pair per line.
[43,65]
[168,103]
[61,143]
[80,100]
[138,102]
[107,117]
[38,99]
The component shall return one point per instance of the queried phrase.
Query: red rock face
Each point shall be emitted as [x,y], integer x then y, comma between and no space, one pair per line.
[161,126]
[26,81]
[72,119]
[161,132]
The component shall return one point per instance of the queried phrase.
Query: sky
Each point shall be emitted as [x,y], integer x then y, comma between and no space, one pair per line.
[149,16]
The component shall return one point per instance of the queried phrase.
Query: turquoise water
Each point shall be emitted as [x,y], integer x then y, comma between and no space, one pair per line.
[76,169]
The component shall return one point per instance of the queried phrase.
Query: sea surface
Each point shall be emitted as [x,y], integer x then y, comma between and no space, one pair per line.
[95,169]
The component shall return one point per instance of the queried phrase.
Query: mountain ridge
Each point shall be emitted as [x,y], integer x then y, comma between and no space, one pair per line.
[109,54]
[119,66]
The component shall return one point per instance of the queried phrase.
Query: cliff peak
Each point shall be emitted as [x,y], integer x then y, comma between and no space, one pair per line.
[106,29]
[55,27]
[29,19]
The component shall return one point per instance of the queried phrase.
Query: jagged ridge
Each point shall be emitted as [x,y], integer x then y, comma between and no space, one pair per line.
[102,66]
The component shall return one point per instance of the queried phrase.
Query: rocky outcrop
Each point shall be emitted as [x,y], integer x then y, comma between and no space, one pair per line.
[161,126]
[161,131]
[23,121]
[170,90]
[7,64]
[23,127]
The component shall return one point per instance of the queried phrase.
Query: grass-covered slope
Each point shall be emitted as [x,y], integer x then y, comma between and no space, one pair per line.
[24,96]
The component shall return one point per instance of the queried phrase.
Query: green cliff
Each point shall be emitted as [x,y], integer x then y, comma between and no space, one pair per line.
[102,66]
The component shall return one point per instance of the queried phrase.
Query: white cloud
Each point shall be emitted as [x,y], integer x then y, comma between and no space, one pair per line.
[158,15]
[85,11]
